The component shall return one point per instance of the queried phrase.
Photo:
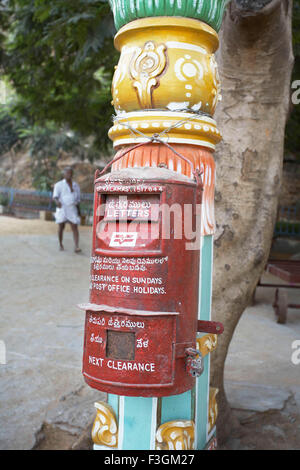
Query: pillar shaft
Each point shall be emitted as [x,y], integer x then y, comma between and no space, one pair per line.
[165,91]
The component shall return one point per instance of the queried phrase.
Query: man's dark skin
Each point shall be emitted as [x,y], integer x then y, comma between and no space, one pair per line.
[68,175]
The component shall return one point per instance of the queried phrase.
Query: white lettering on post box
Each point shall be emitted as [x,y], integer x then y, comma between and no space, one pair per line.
[120,239]
[121,365]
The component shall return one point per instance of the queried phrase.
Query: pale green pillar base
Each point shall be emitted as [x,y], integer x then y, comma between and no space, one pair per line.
[139,418]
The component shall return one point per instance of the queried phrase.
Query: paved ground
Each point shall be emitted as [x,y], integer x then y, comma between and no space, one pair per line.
[262,382]
[43,332]
[44,401]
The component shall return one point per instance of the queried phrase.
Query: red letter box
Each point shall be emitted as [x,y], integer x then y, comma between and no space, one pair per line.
[141,322]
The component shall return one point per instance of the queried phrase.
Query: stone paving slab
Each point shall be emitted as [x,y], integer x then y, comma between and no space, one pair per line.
[253,397]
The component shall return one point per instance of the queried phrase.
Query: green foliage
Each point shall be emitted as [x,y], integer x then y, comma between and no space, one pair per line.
[3,28]
[3,199]
[52,50]
[47,143]
[9,126]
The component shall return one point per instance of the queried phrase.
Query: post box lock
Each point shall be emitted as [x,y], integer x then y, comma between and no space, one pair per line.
[194,362]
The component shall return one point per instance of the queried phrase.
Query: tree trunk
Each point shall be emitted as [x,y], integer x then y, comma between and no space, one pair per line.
[255,61]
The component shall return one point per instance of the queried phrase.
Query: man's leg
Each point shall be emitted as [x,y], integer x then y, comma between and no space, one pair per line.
[76,237]
[61,228]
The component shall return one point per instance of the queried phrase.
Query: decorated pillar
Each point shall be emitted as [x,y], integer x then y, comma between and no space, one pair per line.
[165,91]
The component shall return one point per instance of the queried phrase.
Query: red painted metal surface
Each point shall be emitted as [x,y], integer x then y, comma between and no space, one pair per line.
[213,327]
[153,155]
[287,270]
[142,317]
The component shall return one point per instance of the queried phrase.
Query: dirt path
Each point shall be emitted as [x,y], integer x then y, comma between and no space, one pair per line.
[42,328]
[14,226]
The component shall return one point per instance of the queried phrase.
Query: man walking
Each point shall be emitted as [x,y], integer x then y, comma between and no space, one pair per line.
[66,195]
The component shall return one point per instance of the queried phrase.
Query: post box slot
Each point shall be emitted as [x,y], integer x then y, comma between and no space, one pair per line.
[120,345]
[129,223]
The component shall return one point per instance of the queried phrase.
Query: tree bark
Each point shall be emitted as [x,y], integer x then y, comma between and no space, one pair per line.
[255,62]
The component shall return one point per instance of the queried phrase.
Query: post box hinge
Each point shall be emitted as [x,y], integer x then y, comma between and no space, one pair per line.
[213,327]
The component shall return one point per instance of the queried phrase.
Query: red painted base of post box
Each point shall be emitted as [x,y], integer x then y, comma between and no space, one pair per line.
[134,354]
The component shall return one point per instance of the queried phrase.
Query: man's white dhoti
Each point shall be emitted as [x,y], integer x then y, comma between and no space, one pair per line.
[69,200]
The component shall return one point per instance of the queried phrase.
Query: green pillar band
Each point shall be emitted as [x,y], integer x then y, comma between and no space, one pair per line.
[209,11]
